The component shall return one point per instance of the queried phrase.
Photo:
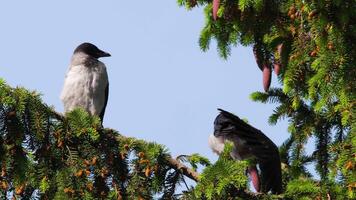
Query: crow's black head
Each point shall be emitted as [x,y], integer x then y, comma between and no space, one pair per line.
[91,50]
[224,123]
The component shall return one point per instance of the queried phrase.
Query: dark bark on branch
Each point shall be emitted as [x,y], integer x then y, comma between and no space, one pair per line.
[184,169]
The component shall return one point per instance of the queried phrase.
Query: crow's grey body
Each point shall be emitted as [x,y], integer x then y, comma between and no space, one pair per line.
[86,84]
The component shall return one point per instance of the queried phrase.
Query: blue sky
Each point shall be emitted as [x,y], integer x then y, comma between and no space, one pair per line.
[163,88]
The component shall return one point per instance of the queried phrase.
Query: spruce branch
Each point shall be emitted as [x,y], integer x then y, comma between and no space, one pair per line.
[173,163]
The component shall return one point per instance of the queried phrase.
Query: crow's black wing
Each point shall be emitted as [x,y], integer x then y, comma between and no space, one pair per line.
[105,103]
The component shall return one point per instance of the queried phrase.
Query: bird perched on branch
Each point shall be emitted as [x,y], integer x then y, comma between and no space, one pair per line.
[86,84]
[249,143]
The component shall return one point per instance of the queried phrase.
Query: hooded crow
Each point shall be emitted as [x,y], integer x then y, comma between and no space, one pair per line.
[86,84]
[249,143]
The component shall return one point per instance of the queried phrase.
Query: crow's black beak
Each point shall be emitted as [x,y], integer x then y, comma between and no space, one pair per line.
[103,54]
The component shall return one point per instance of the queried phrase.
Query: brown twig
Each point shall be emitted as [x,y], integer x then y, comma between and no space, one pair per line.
[184,169]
